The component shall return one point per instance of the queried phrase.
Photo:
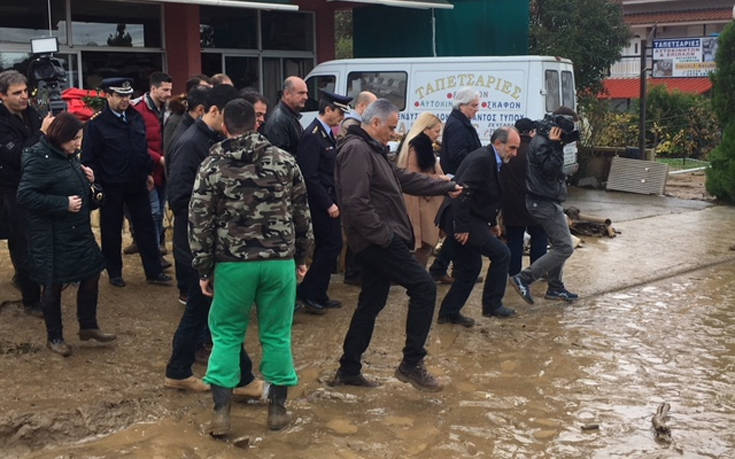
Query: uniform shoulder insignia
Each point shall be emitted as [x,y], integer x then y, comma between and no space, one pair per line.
[315,130]
[95,115]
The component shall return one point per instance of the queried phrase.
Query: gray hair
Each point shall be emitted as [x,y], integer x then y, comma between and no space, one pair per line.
[501,134]
[465,96]
[381,109]
[9,78]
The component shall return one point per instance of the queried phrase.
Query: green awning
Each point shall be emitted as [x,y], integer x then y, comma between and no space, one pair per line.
[419,4]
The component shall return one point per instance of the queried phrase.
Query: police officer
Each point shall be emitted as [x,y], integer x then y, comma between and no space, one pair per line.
[316,157]
[115,148]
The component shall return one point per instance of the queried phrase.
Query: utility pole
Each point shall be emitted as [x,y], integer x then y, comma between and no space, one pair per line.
[643,94]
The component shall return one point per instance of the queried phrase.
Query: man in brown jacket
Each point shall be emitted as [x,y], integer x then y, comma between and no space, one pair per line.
[369,190]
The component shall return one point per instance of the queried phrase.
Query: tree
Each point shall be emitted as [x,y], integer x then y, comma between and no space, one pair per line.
[591,33]
[721,174]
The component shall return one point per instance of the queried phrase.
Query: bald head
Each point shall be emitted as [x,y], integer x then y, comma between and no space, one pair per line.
[362,101]
[295,93]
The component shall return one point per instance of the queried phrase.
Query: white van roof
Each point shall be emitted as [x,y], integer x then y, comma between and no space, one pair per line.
[448,59]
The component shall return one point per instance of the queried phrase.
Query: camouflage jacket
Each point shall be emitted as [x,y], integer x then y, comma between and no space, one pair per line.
[248,203]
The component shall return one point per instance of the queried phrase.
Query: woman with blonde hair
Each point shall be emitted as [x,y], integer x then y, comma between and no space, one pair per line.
[417,155]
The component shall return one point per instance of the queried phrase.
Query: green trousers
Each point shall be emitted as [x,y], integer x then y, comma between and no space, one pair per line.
[271,285]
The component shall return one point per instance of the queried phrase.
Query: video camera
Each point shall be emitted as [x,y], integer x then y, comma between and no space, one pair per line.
[47,73]
[564,122]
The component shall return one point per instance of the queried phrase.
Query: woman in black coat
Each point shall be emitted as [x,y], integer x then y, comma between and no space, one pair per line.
[54,191]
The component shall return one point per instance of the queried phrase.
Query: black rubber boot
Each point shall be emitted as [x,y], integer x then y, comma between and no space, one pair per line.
[278,418]
[220,424]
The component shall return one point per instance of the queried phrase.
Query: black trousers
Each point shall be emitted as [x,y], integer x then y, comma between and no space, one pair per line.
[352,267]
[467,266]
[18,248]
[87,295]
[136,197]
[327,246]
[188,336]
[182,255]
[445,256]
[380,266]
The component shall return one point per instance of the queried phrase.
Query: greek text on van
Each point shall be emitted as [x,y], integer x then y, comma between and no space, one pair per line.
[470,79]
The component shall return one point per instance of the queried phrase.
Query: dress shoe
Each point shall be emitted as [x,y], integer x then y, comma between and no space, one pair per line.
[192,384]
[443,279]
[256,390]
[332,304]
[341,379]
[418,376]
[458,319]
[522,288]
[59,346]
[160,279]
[34,310]
[312,307]
[117,281]
[132,248]
[500,311]
[561,294]
[96,334]
[165,264]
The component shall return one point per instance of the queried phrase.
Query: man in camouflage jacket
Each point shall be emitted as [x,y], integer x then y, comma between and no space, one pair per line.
[249,232]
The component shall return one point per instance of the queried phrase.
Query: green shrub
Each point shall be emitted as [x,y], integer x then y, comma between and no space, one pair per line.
[721,174]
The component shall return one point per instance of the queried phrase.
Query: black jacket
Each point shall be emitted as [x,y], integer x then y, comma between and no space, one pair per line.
[62,247]
[479,203]
[459,139]
[172,132]
[116,150]
[316,156]
[513,182]
[283,128]
[15,135]
[184,160]
[370,189]
[545,177]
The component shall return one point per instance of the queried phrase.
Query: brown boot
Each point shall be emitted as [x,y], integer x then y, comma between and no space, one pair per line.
[220,425]
[418,376]
[59,346]
[192,383]
[96,334]
[278,417]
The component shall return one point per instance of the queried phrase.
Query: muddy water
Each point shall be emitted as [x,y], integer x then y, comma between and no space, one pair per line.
[522,387]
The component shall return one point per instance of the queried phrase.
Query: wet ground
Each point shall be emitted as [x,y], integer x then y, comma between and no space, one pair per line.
[656,324]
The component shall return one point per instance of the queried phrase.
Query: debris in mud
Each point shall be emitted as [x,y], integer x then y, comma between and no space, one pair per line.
[10,348]
[587,427]
[323,394]
[589,225]
[242,442]
[662,430]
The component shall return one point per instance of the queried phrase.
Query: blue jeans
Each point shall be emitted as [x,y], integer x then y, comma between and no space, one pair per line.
[539,241]
[157,197]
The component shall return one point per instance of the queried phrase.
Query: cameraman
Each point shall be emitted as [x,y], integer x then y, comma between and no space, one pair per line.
[546,190]
[20,127]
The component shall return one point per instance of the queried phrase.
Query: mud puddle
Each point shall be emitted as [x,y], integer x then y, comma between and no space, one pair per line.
[523,387]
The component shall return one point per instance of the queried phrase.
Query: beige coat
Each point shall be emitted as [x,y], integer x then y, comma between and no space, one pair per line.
[422,209]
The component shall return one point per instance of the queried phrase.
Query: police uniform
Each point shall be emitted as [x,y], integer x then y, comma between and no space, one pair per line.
[115,148]
[316,156]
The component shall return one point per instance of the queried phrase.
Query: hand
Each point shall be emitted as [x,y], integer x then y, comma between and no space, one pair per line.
[445,178]
[206,286]
[46,122]
[462,238]
[149,183]
[75,203]
[162,161]
[457,191]
[300,272]
[497,230]
[333,211]
[89,173]
[555,134]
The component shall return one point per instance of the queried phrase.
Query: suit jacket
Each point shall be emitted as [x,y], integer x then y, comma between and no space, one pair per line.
[316,155]
[480,201]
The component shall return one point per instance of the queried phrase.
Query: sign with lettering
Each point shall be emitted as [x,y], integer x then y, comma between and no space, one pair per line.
[502,97]
[684,57]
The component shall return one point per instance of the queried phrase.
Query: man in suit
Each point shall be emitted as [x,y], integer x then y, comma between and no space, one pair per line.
[467,223]
[316,157]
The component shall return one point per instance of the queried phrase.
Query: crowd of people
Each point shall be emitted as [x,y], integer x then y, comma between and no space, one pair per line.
[261,207]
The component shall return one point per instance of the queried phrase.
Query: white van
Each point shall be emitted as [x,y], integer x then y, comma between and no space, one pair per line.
[511,87]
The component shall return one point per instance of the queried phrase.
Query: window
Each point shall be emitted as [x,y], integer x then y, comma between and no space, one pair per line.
[567,89]
[287,31]
[22,20]
[228,28]
[388,85]
[315,84]
[552,90]
[98,65]
[211,63]
[108,23]
[243,71]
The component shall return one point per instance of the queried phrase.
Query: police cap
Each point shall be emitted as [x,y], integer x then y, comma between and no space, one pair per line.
[337,100]
[122,86]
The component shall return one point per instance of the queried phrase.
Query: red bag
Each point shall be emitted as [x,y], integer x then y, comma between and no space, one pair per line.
[74,98]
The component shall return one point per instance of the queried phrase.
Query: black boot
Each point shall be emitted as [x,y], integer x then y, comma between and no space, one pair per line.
[277,416]
[220,424]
